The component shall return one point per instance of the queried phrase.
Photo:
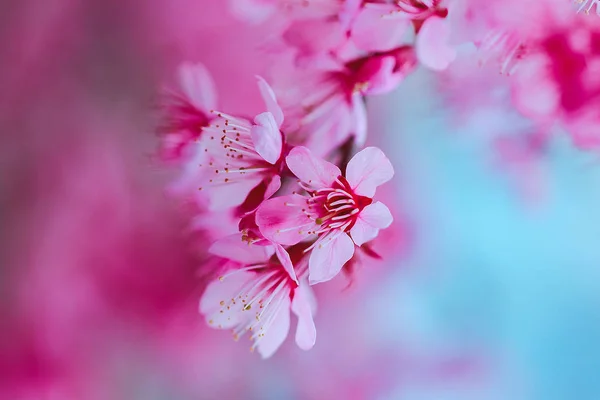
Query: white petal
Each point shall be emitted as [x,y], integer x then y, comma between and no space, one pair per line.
[371,219]
[277,332]
[266,137]
[270,100]
[198,86]
[306,332]
[311,169]
[328,257]
[368,169]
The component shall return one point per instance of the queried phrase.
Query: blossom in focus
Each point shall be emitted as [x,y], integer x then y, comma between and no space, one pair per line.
[257,294]
[338,210]
[188,112]
[236,155]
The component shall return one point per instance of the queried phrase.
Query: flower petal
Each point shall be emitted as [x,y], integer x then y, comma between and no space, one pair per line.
[270,101]
[306,332]
[229,194]
[432,46]
[221,291]
[329,256]
[310,169]
[359,119]
[379,75]
[368,169]
[377,29]
[371,219]
[286,262]
[198,86]
[276,333]
[232,247]
[273,186]
[282,221]
[252,11]
[266,137]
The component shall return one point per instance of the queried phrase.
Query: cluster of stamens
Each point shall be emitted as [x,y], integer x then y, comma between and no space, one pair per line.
[263,294]
[331,208]
[230,151]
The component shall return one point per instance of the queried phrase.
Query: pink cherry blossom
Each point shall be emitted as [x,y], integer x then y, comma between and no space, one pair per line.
[189,111]
[260,11]
[378,27]
[558,82]
[432,45]
[326,106]
[235,156]
[507,49]
[257,294]
[338,210]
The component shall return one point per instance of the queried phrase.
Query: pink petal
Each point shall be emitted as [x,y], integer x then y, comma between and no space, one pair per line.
[282,221]
[368,169]
[359,119]
[253,11]
[534,92]
[328,257]
[277,332]
[432,46]
[187,182]
[218,291]
[310,169]
[273,186]
[231,194]
[266,137]
[286,262]
[234,248]
[310,297]
[306,332]
[349,12]
[372,31]
[198,86]
[314,37]
[379,74]
[371,219]
[270,101]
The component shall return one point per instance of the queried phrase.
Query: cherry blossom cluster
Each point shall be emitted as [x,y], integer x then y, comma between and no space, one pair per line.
[287,197]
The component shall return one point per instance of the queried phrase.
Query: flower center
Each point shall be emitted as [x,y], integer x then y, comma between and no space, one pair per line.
[230,154]
[336,207]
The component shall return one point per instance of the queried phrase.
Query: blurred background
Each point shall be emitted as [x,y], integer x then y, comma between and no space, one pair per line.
[490,292]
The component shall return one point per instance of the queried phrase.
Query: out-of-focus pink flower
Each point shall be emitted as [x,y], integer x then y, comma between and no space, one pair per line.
[257,294]
[432,45]
[377,27]
[558,83]
[381,73]
[505,48]
[189,111]
[429,18]
[338,210]
[259,11]
[325,107]
[235,156]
